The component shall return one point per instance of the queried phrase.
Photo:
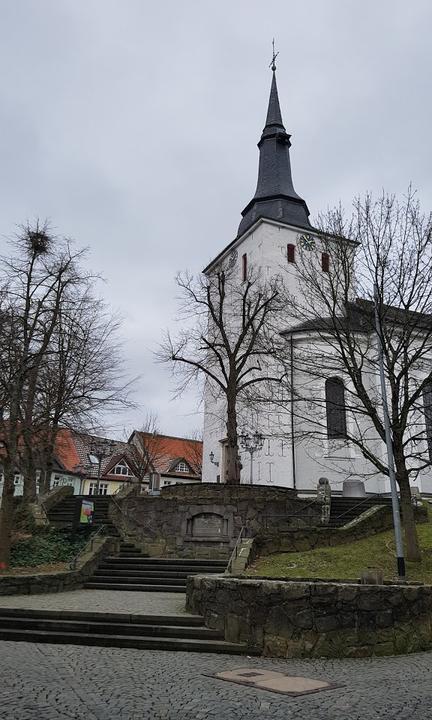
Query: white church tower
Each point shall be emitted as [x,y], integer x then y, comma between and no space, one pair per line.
[273,223]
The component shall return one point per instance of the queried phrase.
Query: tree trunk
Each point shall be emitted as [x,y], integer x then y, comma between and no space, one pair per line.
[6,518]
[232,460]
[412,548]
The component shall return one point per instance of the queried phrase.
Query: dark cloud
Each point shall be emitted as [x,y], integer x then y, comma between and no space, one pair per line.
[133,126]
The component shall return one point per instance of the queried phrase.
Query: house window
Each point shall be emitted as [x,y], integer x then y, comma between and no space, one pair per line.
[325,262]
[103,488]
[335,408]
[427,404]
[181,467]
[244,266]
[121,469]
[291,253]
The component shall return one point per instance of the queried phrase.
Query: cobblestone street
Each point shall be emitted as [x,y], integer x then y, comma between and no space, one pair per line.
[52,682]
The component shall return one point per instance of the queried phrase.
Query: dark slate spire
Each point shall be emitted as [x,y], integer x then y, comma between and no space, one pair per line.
[275,197]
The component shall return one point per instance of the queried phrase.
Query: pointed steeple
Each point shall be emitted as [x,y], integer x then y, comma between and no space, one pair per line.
[275,197]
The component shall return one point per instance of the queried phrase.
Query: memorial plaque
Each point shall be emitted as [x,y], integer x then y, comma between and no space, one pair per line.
[207,525]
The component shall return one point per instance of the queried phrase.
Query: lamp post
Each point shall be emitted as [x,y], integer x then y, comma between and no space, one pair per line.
[389,445]
[101,450]
[252,444]
[212,460]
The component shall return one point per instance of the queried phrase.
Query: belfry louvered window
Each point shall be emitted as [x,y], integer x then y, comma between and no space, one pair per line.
[335,408]
[427,404]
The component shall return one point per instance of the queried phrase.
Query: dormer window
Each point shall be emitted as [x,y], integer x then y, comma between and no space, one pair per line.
[181,467]
[121,469]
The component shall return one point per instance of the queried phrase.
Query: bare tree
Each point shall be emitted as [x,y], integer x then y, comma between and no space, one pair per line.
[227,338]
[149,447]
[386,243]
[193,446]
[33,286]
[82,378]
[60,360]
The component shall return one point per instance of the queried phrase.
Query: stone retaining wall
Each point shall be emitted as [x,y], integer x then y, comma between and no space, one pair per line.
[315,619]
[205,520]
[59,581]
[372,521]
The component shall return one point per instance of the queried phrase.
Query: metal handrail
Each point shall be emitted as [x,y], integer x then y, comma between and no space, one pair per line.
[90,542]
[234,553]
[359,504]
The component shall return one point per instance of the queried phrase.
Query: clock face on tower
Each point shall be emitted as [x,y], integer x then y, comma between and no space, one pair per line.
[307,242]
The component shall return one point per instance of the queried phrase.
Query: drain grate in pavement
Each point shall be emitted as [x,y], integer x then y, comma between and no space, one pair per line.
[275,681]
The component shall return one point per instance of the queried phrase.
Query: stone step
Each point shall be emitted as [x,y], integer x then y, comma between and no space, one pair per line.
[109,628]
[93,585]
[175,561]
[120,618]
[190,570]
[125,641]
[139,573]
[128,579]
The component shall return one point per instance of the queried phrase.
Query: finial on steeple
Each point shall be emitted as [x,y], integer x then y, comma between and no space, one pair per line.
[273,60]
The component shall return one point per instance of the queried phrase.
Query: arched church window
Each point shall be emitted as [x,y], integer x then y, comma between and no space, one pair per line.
[427,404]
[335,408]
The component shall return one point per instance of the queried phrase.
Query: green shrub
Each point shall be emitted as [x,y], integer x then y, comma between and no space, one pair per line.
[46,547]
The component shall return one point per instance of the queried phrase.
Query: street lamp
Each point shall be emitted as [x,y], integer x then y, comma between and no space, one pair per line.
[252,444]
[212,460]
[101,450]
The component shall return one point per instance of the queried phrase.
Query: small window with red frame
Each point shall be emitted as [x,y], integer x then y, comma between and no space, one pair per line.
[244,267]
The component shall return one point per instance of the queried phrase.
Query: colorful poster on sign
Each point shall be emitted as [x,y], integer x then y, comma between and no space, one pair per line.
[87,510]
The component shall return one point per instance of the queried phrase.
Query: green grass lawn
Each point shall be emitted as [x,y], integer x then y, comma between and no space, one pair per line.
[347,561]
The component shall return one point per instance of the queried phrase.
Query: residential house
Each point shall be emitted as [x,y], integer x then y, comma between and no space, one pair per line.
[167,460]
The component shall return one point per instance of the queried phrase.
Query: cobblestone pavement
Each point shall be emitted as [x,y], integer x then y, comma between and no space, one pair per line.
[52,682]
[142,603]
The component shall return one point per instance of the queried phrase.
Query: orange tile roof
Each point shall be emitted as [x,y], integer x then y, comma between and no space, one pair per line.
[164,450]
[65,450]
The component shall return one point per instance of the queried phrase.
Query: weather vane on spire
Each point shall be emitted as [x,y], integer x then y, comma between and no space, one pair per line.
[275,54]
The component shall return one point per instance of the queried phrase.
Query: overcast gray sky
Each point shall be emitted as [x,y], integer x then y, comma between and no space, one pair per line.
[133,126]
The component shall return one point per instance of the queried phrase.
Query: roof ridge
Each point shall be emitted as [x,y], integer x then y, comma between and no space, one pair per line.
[171,437]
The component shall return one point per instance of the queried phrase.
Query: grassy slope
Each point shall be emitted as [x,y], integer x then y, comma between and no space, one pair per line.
[347,561]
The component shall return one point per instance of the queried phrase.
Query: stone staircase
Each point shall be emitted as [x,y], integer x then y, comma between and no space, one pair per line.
[150,632]
[65,513]
[343,510]
[133,570]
